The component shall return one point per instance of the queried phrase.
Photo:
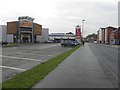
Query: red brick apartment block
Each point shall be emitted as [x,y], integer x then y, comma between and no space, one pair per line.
[98,36]
[108,32]
[103,35]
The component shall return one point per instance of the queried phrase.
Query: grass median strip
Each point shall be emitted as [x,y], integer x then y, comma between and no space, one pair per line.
[30,77]
[11,45]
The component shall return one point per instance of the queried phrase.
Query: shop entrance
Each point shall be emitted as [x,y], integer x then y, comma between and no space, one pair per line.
[26,38]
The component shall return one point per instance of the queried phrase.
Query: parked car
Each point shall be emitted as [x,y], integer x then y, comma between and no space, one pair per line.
[65,43]
[95,42]
[49,41]
[3,43]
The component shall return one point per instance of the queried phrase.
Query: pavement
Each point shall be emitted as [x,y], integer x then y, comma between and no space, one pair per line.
[81,69]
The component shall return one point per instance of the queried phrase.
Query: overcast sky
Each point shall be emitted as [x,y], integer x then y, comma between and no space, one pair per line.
[63,15]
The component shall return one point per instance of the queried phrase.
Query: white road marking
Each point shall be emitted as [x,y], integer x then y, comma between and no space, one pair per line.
[44,47]
[50,55]
[12,68]
[28,53]
[33,54]
[29,59]
[115,46]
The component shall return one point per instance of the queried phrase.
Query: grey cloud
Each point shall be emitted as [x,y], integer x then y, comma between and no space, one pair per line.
[96,15]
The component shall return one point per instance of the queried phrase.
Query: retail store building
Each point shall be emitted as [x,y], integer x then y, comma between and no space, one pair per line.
[24,30]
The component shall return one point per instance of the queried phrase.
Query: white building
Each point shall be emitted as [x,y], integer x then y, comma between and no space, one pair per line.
[44,37]
[100,35]
[3,35]
[57,37]
[45,34]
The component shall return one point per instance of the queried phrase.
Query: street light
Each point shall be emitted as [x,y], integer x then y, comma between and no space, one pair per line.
[82,26]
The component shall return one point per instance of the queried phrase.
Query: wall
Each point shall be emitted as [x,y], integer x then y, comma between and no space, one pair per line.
[103,35]
[12,27]
[37,29]
[3,35]
[100,35]
[45,34]
[10,38]
[39,38]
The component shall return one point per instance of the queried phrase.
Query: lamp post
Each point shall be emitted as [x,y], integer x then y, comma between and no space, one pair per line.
[82,26]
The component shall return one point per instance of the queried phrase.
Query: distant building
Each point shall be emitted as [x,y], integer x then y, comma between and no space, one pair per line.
[106,35]
[103,35]
[98,36]
[108,32]
[57,37]
[115,36]
[91,38]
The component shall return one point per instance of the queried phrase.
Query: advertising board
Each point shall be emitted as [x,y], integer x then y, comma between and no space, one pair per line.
[26,24]
[78,32]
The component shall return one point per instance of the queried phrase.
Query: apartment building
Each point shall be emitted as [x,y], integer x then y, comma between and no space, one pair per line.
[115,36]
[108,32]
[108,35]
[103,35]
[99,36]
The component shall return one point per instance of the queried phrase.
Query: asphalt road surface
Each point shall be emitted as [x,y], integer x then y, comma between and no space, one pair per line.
[18,59]
[91,66]
[107,56]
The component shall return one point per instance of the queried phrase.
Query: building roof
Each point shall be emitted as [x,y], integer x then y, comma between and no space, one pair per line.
[25,17]
[102,28]
[111,27]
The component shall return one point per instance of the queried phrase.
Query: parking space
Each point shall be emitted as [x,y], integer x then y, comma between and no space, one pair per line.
[18,59]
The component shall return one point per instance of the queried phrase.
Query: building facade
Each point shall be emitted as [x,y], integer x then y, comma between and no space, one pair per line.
[91,38]
[99,36]
[45,35]
[24,30]
[108,35]
[57,37]
[3,35]
[108,32]
[115,36]
[103,35]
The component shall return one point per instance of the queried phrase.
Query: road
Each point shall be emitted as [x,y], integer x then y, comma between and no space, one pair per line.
[18,59]
[107,56]
[91,66]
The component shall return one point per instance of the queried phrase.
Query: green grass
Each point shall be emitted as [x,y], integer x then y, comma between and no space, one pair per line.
[11,45]
[30,77]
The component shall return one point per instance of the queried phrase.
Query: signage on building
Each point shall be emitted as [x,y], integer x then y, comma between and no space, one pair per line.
[78,32]
[26,18]
[26,24]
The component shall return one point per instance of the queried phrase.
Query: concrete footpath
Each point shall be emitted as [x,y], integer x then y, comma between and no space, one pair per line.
[80,70]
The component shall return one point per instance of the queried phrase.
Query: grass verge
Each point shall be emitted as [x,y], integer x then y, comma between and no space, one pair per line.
[30,77]
[11,45]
